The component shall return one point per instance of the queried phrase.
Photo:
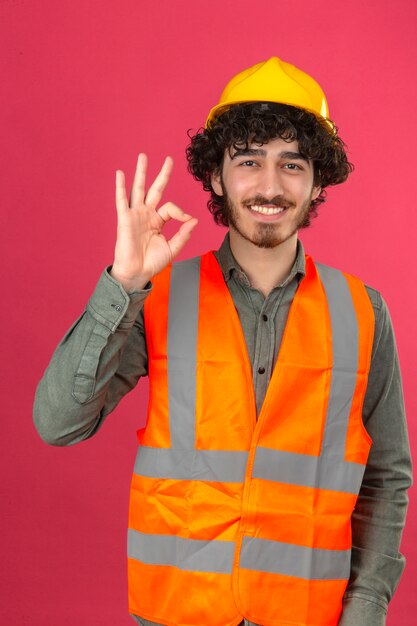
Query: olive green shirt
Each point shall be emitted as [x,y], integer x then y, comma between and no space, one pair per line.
[103,355]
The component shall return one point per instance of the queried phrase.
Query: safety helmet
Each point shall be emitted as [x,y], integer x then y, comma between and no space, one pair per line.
[273,81]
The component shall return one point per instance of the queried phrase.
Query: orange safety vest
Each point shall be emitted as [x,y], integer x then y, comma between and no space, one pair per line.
[231,516]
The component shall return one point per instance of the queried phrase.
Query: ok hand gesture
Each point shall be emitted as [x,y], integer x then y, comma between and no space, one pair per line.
[141,249]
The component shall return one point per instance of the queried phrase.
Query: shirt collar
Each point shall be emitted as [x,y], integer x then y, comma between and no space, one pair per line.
[230,266]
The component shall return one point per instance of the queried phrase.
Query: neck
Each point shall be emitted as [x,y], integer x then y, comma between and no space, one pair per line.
[265,267]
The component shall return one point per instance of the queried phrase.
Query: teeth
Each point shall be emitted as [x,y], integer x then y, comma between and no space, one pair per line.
[266,210]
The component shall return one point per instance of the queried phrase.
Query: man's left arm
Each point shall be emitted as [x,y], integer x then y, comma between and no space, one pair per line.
[379,515]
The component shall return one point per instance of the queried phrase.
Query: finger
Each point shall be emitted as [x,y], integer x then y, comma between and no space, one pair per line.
[121,199]
[169,210]
[178,241]
[155,191]
[137,195]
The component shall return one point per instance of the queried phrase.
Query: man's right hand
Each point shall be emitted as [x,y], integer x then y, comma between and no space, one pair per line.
[141,249]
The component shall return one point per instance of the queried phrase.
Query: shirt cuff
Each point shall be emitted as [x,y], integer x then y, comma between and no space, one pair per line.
[362,610]
[111,306]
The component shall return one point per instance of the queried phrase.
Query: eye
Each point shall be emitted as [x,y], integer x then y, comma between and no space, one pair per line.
[292,166]
[248,163]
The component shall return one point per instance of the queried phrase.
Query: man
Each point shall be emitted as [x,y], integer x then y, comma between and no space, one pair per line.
[275,422]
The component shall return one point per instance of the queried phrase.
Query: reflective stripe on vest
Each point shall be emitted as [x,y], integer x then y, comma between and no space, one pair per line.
[182,462]
[260,554]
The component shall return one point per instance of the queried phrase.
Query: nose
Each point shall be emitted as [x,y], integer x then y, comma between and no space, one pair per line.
[270,181]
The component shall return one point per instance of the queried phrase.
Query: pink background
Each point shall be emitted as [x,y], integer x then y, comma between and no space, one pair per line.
[85,86]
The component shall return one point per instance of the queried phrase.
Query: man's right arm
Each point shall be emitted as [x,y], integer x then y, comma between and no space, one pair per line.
[103,354]
[100,359]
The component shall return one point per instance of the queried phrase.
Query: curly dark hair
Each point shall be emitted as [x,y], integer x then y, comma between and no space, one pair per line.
[260,122]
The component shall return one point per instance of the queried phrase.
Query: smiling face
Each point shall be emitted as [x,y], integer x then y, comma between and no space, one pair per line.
[267,191]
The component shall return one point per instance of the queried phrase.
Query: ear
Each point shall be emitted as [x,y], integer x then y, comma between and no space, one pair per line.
[215,180]
[316,192]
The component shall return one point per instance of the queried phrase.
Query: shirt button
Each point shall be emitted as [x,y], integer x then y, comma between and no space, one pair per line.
[261,370]
[117,307]
[265,317]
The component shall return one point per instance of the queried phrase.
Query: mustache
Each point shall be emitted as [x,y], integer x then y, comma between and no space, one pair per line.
[279,202]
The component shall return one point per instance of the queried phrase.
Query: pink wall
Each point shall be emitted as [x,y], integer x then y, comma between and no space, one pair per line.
[87,84]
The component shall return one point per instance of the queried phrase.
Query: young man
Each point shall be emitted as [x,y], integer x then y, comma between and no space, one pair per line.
[271,478]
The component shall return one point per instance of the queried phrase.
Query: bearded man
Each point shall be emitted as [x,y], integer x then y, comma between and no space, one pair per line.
[270,484]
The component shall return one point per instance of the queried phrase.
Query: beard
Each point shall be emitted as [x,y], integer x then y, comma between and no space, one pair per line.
[266,235]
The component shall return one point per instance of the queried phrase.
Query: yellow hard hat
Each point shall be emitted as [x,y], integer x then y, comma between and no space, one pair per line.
[273,81]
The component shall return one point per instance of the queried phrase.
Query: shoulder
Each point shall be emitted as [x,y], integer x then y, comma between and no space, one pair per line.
[383,330]
[374,295]
[383,325]
[375,298]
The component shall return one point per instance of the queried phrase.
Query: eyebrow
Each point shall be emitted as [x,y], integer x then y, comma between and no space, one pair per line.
[262,153]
